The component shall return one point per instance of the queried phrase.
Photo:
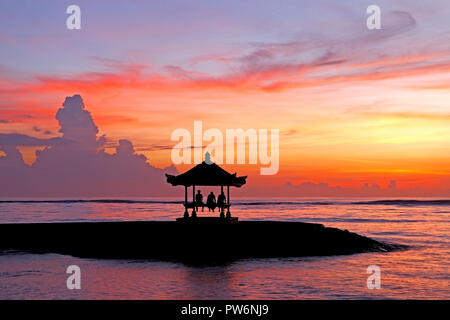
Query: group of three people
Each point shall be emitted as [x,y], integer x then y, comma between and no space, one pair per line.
[210,201]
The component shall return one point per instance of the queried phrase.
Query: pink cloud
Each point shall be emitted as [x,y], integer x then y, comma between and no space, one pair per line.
[76,163]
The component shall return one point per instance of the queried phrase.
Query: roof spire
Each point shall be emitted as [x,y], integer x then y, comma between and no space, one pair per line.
[208,158]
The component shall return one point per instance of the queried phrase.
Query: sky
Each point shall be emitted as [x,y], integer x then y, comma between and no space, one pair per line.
[358,110]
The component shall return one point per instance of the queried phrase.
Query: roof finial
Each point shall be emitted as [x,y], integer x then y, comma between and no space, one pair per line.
[208,158]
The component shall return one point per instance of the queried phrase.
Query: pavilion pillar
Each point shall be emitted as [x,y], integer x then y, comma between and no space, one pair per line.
[186,213]
[222,213]
[228,202]
[194,214]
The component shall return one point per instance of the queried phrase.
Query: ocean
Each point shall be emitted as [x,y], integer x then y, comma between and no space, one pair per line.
[420,271]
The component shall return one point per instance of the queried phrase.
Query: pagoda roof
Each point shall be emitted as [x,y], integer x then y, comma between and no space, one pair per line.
[206,174]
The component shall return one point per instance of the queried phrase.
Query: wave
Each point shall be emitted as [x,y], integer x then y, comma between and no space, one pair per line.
[123,201]
[92,201]
[361,220]
[276,203]
[442,202]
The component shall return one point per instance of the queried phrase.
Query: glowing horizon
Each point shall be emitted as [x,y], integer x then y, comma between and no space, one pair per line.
[353,106]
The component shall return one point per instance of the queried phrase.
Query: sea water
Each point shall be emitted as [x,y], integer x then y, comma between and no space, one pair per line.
[419,272]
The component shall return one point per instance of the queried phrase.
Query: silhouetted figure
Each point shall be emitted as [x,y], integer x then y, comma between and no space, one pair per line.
[199,200]
[221,201]
[211,202]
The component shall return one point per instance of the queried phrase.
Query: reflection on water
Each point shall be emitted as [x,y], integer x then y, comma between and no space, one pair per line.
[419,272]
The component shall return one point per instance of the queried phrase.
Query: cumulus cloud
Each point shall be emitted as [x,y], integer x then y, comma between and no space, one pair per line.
[76,163]
[322,189]
[17,139]
[77,124]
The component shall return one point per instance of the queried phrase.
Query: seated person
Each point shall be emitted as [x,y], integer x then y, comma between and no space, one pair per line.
[221,200]
[198,200]
[211,201]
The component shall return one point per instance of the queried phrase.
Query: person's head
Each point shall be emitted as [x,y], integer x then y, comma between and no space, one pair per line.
[212,192]
[198,191]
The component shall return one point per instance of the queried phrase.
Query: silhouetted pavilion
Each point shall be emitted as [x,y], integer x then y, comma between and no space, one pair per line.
[206,174]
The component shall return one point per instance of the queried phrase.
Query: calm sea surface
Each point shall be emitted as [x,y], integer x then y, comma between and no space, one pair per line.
[420,272]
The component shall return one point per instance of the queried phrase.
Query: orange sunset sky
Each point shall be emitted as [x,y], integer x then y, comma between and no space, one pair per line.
[353,105]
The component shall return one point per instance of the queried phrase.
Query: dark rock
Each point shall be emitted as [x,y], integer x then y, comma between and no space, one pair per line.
[203,242]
